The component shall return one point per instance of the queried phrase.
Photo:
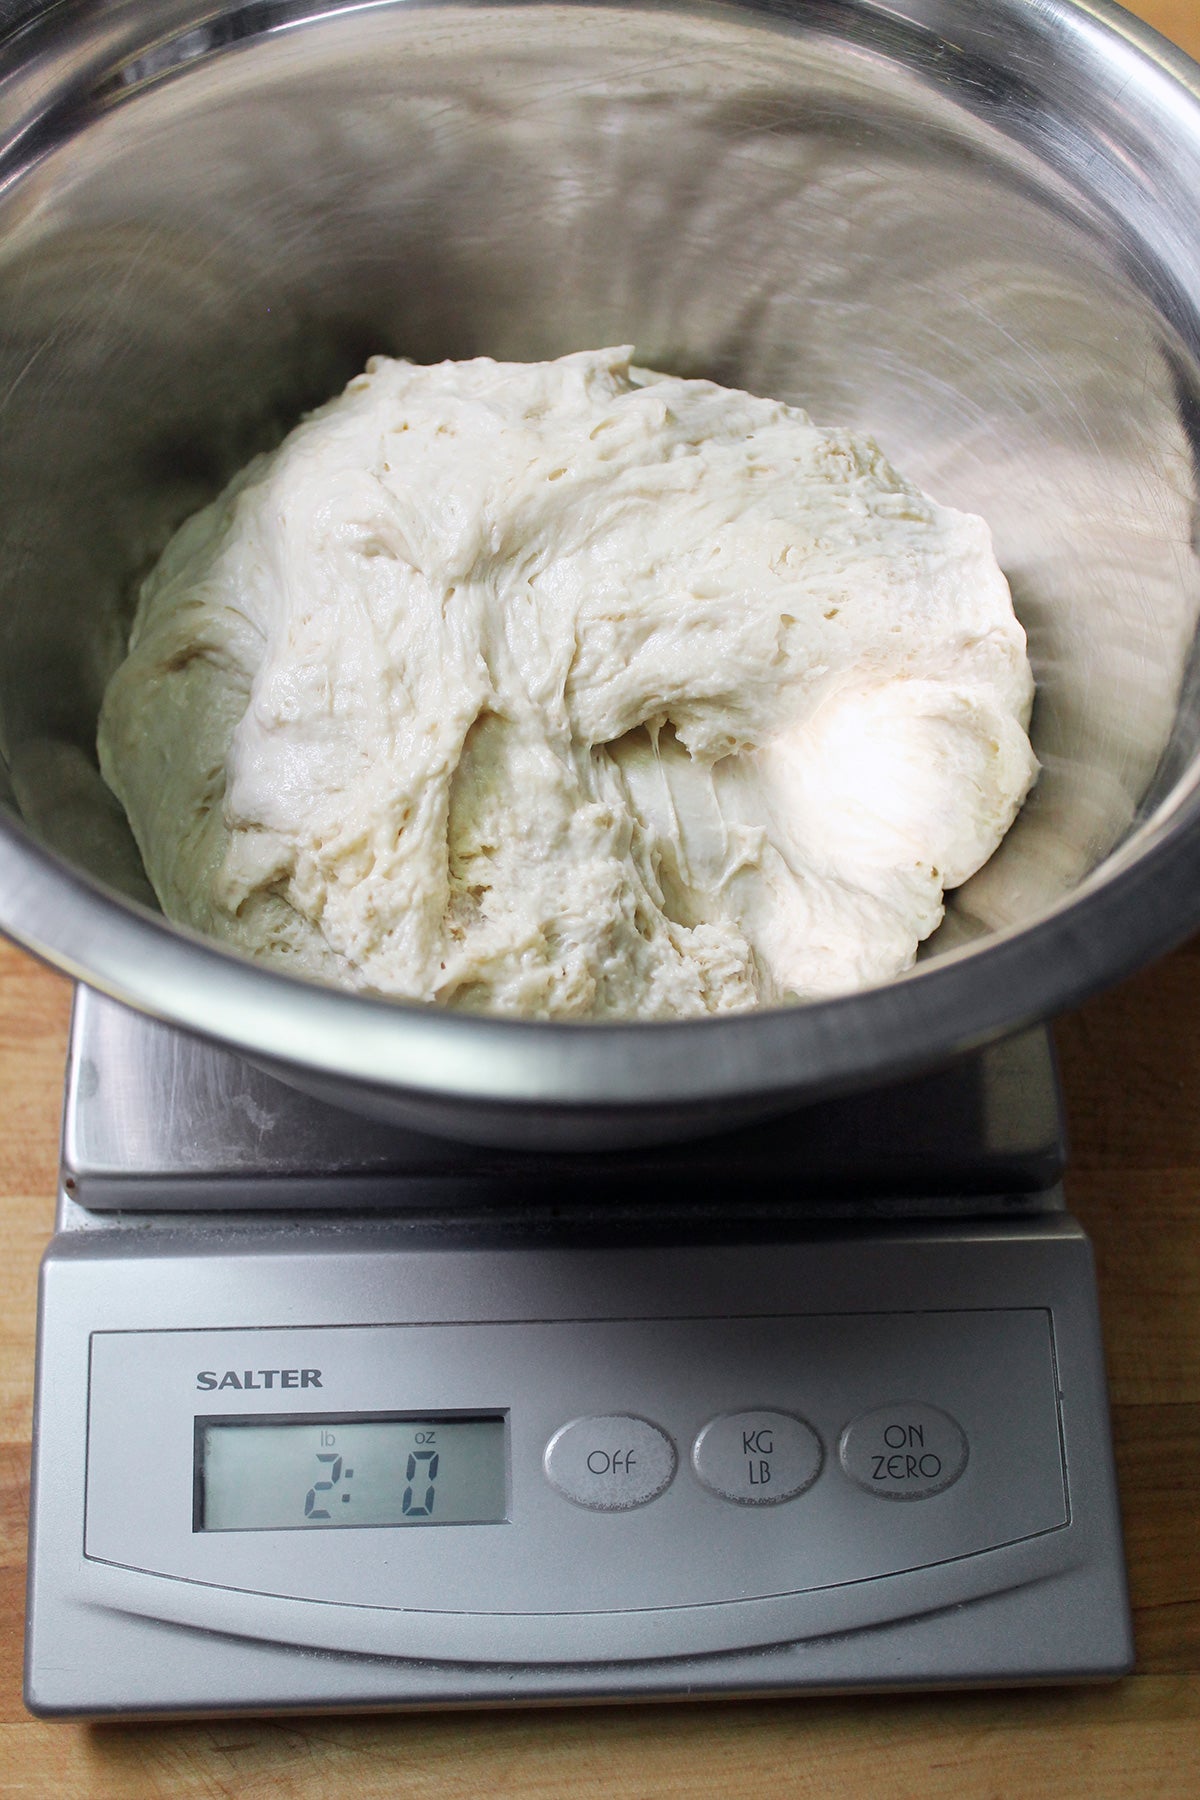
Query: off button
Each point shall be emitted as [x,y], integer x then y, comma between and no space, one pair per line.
[906,1451]
[610,1463]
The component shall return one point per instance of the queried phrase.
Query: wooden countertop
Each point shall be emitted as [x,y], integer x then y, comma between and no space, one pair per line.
[1131,1068]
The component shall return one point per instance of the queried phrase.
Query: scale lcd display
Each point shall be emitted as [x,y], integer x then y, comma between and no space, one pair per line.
[317,1473]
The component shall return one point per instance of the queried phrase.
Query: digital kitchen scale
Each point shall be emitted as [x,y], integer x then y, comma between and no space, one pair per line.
[330,1415]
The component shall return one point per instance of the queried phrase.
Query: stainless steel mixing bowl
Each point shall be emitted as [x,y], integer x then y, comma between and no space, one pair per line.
[971,229]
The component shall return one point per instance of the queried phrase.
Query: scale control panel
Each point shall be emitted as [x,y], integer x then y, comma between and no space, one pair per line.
[543,1504]
[576,1467]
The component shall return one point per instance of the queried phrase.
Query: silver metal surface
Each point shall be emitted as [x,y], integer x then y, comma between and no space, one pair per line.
[155,1121]
[1013,1573]
[972,230]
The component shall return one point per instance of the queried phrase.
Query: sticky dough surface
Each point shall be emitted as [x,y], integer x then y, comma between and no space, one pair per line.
[570,689]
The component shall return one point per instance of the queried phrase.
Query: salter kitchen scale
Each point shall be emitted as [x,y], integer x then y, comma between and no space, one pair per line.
[332,1416]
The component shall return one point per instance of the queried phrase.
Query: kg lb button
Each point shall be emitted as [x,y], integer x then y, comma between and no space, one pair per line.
[757,1458]
[907,1451]
[610,1463]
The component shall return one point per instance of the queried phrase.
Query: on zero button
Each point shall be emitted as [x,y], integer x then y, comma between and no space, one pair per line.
[610,1463]
[906,1451]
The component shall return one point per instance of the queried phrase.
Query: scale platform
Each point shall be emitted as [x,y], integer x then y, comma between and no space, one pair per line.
[333,1416]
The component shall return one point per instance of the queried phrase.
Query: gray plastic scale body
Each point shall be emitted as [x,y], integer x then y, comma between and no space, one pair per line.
[364,1433]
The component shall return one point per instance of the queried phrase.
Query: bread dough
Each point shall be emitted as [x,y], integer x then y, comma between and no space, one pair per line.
[570,689]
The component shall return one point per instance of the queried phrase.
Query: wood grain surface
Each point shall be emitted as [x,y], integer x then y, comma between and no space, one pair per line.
[1131,1067]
